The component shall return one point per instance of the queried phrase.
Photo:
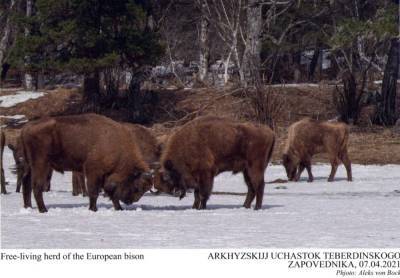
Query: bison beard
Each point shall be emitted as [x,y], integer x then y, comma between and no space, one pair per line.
[207,146]
[307,138]
[102,149]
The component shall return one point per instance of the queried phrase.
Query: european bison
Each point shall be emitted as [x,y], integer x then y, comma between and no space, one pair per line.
[308,137]
[148,146]
[207,146]
[104,150]
[2,177]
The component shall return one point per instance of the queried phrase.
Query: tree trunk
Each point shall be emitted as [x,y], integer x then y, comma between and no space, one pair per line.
[386,112]
[314,62]
[204,48]
[5,40]
[28,78]
[251,60]
[296,60]
[91,91]
[4,70]
[226,68]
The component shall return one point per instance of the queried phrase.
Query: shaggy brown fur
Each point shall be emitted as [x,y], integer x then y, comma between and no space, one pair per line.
[207,146]
[146,141]
[98,146]
[309,137]
[2,177]
[148,147]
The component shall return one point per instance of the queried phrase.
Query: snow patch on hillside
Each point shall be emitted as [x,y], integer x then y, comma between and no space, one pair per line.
[19,97]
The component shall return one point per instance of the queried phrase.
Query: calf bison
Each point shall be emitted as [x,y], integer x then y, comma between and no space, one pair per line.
[207,146]
[308,137]
[104,150]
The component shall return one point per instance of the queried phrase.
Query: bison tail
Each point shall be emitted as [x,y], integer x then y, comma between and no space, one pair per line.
[345,139]
[271,150]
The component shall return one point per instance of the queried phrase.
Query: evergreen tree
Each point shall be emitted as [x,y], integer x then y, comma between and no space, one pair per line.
[87,37]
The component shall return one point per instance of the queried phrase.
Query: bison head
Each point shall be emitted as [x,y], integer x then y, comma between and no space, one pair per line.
[168,180]
[290,166]
[132,189]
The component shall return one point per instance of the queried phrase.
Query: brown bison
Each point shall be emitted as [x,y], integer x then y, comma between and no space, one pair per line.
[207,146]
[308,137]
[2,177]
[104,150]
[148,146]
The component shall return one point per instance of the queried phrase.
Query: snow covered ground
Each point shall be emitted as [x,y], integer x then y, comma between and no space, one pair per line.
[364,213]
[18,97]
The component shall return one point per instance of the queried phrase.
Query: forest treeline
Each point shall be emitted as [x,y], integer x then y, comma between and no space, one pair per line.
[121,43]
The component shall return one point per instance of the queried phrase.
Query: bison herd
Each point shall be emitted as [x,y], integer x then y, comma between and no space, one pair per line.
[127,160]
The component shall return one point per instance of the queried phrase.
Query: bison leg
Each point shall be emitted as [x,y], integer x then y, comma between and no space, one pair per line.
[347,164]
[205,188]
[40,183]
[78,184]
[93,186]
[258,180]
[256,177]
[299,171]
[75,184]
[251,194]
[82,184]
[203,200]
[38,193]
[117,205]
[3,181]
[92,203]
[48,182]
[334,166]
[19,179]
[27,189]
[310,175]
[260,195]
[196,204]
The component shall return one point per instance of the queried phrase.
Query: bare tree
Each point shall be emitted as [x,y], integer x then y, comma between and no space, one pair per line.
[28,78]
[386,113]
[226,17]
[251,56]
[203,40]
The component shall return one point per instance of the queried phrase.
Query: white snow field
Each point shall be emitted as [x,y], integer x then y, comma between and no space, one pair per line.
[364,213]
[18,97]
